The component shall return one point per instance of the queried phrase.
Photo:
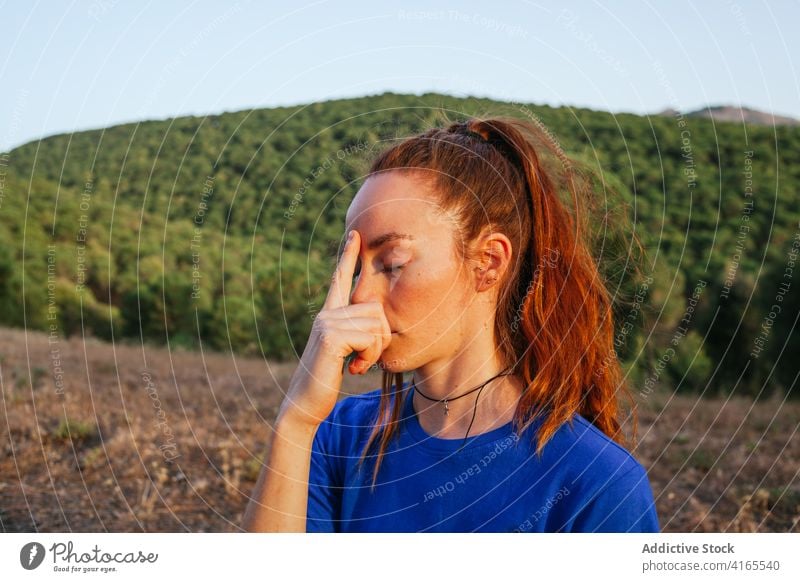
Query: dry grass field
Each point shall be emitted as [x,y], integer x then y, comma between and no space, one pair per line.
[120,438]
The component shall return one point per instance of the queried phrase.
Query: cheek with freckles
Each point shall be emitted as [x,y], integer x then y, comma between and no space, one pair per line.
[428,301]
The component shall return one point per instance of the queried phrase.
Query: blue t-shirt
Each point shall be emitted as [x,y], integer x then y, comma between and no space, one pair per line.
[583,482]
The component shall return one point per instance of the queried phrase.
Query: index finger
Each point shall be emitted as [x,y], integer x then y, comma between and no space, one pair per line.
[342,281]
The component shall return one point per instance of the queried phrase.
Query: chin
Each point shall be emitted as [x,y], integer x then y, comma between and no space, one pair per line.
[394,365]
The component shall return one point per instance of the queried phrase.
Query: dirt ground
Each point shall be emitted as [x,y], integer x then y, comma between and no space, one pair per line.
[121,438]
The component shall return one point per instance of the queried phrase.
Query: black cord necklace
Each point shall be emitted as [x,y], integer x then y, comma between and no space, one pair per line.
[505,372]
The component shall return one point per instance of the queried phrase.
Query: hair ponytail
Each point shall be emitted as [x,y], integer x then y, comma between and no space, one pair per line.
[554,319]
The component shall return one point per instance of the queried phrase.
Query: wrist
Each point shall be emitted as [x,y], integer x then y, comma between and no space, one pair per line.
[292,420]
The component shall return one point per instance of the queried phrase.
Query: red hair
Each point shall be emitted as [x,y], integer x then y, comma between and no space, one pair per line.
[554,320]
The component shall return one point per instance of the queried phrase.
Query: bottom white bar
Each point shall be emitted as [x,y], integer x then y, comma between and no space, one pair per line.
[390,557]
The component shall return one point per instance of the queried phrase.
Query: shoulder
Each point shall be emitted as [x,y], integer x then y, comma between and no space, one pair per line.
[356,407]
[351,417]
[340,438]
[591,456]
[608,488]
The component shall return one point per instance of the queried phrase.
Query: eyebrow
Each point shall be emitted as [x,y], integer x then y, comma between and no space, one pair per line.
[388,237]
[382,240]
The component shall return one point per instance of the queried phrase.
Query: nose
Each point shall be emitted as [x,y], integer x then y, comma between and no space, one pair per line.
[367,287]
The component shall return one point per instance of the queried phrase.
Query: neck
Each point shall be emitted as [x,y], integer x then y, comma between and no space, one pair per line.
[496,401]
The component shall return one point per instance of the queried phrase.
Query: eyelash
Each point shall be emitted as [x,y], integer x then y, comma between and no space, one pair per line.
[385,270]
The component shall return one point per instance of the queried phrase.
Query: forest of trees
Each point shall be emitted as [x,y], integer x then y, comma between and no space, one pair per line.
[224,230]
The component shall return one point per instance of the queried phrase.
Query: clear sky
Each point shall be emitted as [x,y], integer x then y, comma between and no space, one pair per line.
[67,66]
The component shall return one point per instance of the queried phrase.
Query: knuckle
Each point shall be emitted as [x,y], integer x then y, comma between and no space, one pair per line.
[326,335]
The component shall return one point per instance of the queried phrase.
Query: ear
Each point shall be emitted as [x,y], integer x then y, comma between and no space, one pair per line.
[493,254]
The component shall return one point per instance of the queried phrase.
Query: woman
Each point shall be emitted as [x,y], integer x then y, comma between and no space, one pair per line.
[462,265]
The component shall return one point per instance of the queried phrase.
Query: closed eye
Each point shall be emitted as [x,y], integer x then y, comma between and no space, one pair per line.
[386,269]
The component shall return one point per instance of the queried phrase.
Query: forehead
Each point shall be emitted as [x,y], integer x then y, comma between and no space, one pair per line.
[392,201]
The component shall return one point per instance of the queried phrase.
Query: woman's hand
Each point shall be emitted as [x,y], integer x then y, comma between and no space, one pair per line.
[338,330]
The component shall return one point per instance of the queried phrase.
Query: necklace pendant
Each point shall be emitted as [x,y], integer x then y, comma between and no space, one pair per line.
[446,409]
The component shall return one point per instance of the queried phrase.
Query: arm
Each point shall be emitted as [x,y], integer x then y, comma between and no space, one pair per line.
[280,498]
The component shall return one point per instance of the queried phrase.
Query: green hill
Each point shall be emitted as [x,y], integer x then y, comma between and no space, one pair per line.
[244,212]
